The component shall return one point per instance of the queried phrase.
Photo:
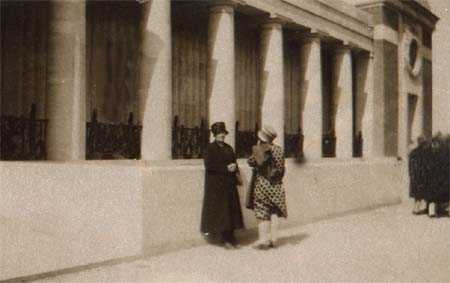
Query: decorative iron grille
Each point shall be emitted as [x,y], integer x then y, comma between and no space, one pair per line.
[329,144]
[358,145]
[189,143]
[23,139]
[113,141]
[245,140]
[293,144]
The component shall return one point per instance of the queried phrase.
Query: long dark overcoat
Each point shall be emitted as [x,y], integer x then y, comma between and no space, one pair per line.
[221,206]
[417,172]
[439,179]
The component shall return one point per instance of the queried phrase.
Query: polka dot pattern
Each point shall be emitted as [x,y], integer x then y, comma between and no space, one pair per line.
[269,194]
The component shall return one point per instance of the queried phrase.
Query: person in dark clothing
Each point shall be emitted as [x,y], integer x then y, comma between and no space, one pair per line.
[435,175]
[417,175]
[438,190]
[221,213]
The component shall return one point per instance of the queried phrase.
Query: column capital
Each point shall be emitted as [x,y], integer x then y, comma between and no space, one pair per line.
[274,21]
[225,6]
[363,54]
[343,48]
[306,36]
[272,25]
[311,37]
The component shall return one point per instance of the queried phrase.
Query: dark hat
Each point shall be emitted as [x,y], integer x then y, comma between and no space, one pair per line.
[219,127]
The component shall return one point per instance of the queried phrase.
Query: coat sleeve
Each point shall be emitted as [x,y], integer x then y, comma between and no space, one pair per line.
[235,160]
[213,164]
[411,163]
[278,170]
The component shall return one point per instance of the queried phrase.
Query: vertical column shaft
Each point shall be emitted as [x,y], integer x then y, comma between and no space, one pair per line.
[271,79]
[342,96]
[371,126]
[155,88]
[311,93]
[221,68]
[66,81]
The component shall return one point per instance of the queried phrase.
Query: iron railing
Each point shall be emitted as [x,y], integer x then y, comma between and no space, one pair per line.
[358,142]
[293,144]
[189,143]
[329,144]
[245,140]
[23,139]
[113,141]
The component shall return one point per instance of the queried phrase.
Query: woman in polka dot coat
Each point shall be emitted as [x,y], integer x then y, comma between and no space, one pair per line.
[269,196]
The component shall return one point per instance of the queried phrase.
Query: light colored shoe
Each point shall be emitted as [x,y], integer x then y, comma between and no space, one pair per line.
[237,246]
[432,209]
[228,246]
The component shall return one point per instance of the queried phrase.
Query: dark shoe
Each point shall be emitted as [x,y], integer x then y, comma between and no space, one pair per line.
[262,246]
[420,212]
[272,245]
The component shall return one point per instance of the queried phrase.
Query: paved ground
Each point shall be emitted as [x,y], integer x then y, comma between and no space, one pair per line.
[383,245]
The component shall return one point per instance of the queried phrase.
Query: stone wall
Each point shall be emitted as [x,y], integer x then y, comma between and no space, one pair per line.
[56,216]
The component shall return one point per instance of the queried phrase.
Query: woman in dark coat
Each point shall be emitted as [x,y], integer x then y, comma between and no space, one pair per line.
[221,206]
[438,171]
[416,174]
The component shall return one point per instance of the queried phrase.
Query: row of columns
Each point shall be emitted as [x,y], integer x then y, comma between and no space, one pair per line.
[67,91]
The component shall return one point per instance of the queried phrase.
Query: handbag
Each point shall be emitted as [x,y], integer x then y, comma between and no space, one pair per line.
[251,191]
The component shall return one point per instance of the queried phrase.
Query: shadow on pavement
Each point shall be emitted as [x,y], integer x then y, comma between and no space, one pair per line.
[291,240]
[252,237]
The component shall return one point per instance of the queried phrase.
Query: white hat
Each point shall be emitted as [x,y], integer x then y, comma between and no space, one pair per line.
[267,134]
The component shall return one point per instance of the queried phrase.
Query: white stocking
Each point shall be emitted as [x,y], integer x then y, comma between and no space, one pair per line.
[263,231]
[417,204]
[274,228]
[432,208]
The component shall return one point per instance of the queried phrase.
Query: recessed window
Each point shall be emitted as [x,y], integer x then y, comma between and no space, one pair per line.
[413,50]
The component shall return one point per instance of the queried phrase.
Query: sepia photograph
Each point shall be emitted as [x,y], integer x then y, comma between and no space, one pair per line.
[224,141]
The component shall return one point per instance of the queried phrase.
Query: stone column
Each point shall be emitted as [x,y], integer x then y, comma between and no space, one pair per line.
[155,87]
[372,120]
[66,80]
[271,78]
[221,68]
[417,127]
[311,94]
[342,97]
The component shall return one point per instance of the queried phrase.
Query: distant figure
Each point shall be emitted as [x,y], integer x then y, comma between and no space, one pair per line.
[221,212]
[269,201]
[417,176]
[439,174]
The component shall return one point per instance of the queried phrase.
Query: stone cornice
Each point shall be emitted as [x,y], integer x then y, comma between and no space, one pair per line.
[337,12]
[349,24]
[422,11]
[383,32]
[408,7]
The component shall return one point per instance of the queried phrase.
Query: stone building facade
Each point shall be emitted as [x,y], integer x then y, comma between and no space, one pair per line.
[307,68]
[83,79]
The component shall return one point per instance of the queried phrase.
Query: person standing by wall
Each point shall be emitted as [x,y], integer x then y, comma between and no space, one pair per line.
[438,191]
[221,213]
[416,175]
[269,201]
